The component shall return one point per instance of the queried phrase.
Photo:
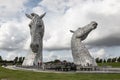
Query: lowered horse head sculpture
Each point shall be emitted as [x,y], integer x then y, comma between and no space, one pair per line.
[37,32]
[82,33]
[81,55]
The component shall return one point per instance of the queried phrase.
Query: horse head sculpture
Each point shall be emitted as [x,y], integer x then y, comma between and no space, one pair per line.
[80,53]
[37,33]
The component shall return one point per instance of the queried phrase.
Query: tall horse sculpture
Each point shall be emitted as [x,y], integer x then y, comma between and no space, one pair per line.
[81,55]
[37,33]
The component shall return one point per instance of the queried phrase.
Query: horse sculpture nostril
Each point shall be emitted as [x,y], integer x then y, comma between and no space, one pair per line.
[37,46]
[95,27]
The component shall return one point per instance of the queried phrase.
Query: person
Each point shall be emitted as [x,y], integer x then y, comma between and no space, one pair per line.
[38,63]
[33,64]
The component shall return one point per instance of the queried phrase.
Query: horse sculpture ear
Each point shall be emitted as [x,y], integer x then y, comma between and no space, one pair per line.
[29,16]
[42,15]
[72,31]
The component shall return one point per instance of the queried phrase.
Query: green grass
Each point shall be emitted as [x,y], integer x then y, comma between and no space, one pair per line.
[6,74]
[110,64]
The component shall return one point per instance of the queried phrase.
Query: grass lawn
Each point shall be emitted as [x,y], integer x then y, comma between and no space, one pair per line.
[113,64]
[6,74]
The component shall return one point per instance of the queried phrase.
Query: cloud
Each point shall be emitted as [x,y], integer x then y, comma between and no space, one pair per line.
[10,55]
[100,53]
[52,6]
[61,55]
[73,14]
[38,10]
[11,10]
[14,31]
[13,35]
[112,40]
[62,16]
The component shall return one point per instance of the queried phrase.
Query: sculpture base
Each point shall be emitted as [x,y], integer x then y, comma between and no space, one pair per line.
[85,61]
[29,59]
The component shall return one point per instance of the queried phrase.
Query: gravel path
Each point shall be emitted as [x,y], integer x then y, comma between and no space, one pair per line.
[107,70]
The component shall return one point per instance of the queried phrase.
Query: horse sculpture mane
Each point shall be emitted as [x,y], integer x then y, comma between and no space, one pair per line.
[37,32]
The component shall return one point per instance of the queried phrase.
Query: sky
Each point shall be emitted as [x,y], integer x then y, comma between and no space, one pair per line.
[61,16]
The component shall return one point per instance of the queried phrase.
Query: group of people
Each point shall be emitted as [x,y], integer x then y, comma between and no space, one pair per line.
[40,65]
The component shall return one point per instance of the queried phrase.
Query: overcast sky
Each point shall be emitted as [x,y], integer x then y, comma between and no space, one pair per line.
[62,15]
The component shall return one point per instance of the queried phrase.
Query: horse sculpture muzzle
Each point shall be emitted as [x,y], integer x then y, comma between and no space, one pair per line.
[94,24]
[34,47]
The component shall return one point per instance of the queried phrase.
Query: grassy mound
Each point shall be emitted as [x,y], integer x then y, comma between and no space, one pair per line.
[6,74]
[113,64]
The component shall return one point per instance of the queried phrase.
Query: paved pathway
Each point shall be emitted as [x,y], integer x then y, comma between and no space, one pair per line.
[108,70]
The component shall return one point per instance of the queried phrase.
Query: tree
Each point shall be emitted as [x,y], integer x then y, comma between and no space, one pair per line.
[97,60]
[20,59]
[100,61]
[1,58]
[114,59]
[57,61]
[109,60]
[104,61]
[118,60]
[15,60]
[23,59]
